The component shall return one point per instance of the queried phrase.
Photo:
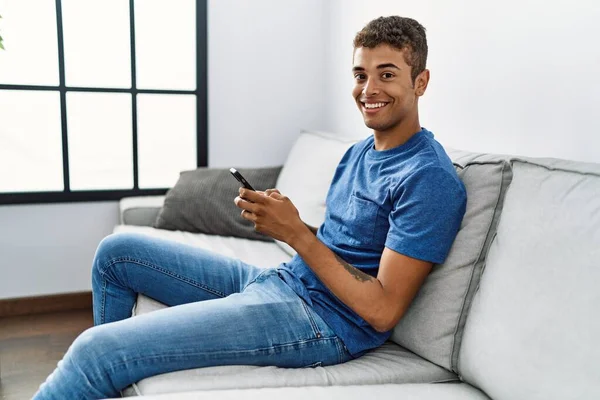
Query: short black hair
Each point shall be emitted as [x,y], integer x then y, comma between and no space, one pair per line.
[399,32]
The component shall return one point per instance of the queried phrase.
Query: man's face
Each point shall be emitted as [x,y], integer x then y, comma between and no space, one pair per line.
[383,88]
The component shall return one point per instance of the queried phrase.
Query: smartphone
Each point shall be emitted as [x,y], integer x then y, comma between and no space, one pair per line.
[240,178]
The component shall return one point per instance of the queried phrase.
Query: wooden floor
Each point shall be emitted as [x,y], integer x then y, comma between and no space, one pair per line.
[30,347]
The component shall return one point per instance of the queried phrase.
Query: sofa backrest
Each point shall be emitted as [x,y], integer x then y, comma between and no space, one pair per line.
[533,328]
[433,325]
[307,174]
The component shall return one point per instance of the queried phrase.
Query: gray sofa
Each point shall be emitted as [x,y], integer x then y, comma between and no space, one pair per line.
[511,314]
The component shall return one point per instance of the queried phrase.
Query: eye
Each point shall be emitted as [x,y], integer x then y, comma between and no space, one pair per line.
[359,77]
[387,75]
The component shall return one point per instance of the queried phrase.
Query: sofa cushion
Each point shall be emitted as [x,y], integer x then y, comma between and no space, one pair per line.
[433,325]
[307,173]
[254,252]
[387,364]
[437,391]
[202,201]
[533,329]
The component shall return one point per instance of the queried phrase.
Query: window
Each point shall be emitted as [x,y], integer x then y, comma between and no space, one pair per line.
[100,99]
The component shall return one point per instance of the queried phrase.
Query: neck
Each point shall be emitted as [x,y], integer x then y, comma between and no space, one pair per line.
[397,135]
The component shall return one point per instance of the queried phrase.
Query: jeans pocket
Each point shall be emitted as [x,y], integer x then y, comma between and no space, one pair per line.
[321,329]
[311,319]
[261,277]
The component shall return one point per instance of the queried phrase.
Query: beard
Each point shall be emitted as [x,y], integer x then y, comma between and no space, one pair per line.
[386,119]
[382,125]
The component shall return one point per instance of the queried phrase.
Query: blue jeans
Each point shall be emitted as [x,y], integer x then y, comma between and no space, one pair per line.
[222,312]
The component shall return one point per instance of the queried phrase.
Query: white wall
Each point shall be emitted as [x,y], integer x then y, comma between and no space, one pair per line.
[266,78]
[512,76]
[265,84]
[47,249]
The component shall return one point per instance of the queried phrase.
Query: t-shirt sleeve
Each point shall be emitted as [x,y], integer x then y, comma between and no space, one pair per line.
[428,208]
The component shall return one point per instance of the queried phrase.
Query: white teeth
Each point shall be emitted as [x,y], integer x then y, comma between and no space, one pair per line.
[375,105]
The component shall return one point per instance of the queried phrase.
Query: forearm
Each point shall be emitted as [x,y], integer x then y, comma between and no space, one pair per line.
[312,228]
[361,292]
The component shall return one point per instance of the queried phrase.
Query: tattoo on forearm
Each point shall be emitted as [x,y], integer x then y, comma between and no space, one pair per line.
[355,272]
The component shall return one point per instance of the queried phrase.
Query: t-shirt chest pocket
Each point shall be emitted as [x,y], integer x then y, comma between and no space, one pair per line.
[360,220]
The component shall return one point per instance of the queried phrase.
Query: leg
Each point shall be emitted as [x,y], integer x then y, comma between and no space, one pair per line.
[266,324]
[127,264]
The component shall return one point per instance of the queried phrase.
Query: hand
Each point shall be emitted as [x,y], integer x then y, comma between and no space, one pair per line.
[273,214]
[269,191]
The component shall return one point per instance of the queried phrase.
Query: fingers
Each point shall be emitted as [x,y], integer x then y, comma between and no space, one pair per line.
[269,191]
[274,194]
[246,205]
[251,195]
[258,196]
[253,203]
[248,215]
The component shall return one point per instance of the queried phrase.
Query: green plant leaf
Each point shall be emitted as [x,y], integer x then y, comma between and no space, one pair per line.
[1,45]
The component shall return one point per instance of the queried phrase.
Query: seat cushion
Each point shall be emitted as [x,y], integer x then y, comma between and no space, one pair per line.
[254,252]
[433,325]
[533,329]
[388,364]
[442,391]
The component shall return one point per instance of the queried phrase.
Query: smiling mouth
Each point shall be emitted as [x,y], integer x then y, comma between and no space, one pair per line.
[373,107]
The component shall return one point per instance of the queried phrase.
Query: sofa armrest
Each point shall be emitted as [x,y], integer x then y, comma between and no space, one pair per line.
[141,210]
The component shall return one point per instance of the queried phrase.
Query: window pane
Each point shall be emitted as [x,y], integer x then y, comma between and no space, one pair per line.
[165,44]
[100,140]
[30,40]
[166,138]
[96,37]
[30,142]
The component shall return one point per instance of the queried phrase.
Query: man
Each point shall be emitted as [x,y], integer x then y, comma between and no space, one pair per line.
[393,210]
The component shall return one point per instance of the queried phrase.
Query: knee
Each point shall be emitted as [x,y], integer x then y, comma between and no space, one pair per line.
[113,247]
[91,352]
[86,370]
[82,348]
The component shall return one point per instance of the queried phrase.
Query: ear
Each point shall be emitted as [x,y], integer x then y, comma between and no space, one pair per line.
[421,82]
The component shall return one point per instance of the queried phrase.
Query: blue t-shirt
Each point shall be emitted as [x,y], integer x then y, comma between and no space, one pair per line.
[408,198]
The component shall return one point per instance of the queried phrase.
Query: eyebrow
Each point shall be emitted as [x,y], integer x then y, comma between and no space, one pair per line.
[380,66]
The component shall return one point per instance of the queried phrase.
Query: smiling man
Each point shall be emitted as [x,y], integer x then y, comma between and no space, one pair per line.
[393,210]
[394,206]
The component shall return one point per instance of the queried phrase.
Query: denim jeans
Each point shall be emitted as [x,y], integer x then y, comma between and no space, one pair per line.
[222,312]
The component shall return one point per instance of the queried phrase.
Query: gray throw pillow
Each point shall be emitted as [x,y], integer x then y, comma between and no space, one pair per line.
[202,202]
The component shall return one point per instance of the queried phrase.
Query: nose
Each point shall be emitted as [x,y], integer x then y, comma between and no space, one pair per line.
[370,88]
